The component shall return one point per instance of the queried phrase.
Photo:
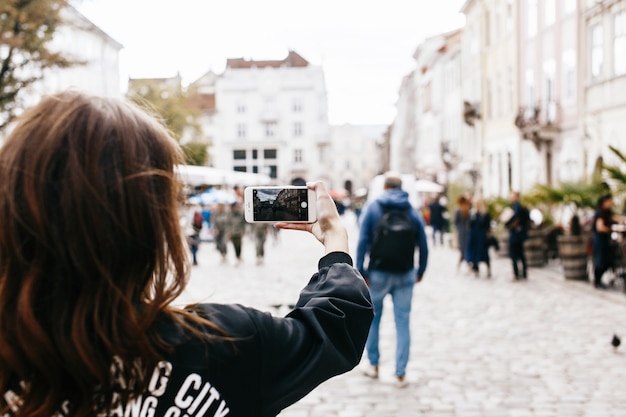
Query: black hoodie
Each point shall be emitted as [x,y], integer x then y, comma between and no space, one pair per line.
[273,361]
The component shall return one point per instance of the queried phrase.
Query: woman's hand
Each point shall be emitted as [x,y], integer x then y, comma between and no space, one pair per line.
[328,228]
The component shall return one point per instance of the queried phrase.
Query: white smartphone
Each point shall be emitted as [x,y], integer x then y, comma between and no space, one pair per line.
[272,204]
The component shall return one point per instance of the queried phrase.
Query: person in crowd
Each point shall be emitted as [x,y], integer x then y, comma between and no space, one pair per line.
[437,219]
[92,256]
[259,230]
[193,226]
[477,245]
[396,277]
[602,252]
[236,229]
[462,223]
[518,226]
[220,229]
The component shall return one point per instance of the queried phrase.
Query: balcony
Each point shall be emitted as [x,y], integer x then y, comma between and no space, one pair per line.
[539,125]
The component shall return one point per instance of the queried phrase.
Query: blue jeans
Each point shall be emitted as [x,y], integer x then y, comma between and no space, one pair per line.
[400,286]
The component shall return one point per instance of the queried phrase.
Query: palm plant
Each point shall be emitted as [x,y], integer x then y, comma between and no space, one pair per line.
[616,172]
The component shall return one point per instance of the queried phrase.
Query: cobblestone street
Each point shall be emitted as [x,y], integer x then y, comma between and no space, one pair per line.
[480,346]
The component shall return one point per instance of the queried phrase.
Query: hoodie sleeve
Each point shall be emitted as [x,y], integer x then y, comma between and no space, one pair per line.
[365,236]
[423,247]
[322,337]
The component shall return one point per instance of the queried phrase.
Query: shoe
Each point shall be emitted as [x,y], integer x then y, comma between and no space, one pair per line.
[371,371]
[401,382]
[600,286]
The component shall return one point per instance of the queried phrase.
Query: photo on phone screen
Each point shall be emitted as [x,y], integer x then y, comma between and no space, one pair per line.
[280,204]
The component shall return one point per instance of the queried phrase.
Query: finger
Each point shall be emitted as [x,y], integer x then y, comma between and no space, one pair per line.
[292,226]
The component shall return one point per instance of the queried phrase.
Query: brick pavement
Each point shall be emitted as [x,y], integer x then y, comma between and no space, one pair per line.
[481,347]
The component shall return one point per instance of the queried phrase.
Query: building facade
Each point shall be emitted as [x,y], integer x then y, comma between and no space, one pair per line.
[602,67]
[355,151]
[439,106]
[502,149]
[79,39]
[272,119]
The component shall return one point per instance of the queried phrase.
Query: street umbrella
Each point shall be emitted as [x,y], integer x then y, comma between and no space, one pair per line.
[213,196]
[425,186]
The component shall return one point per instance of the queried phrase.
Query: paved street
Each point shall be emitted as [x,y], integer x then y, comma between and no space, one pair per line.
[481,347]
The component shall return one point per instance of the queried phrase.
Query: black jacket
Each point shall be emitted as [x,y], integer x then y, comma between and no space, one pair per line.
[273,361]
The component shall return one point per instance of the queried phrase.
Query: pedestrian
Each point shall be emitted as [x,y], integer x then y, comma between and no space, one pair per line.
[193,229]
[437,219]
[477,246]
[388,275]
[220,229]
[92,256]
[236,229]
[603,220]
[461,223]
[259,231]
[518,226]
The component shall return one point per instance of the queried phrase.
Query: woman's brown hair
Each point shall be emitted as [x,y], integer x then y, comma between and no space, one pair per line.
[91,252]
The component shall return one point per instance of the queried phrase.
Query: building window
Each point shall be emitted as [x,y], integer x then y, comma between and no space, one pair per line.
[427,99]
[297,155]
[510,88]
[499,110]
[240,107]
[531,18]
[619,44]
[241,130]
[272,171]
[270,130]
[530,89]
[489,98]
[597,53]
[509,16]
[255,154]
[297,129]
[569,75]
[296,105]
[239,154]
[487,29]
[569,6]
[269,153]
[549,12]
[240,168]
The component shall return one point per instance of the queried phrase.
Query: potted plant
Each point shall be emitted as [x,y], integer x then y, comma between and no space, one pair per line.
[574,198]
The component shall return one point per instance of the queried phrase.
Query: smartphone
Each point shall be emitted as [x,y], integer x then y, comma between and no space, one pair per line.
[271,204]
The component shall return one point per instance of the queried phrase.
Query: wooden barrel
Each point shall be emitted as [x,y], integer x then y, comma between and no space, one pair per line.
[574,258]
[535,248]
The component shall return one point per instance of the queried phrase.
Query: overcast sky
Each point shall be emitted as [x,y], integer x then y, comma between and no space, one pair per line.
[365,47]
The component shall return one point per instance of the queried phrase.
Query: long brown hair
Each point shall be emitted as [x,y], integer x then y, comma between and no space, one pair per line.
[91,252]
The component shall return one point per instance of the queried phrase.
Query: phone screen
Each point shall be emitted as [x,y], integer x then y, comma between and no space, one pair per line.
[280,204]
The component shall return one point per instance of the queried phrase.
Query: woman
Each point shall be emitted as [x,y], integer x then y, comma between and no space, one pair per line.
[477,249]
[601,238]
[92,255]
[462,223]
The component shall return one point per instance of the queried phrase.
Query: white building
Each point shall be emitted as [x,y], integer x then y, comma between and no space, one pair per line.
[272,119]
[79,39]
[440,106]
[469,168]
[403,135]
[603,81]
[355,151]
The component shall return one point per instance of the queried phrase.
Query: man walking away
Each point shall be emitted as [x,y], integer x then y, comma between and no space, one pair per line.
[518,226]
[391,229]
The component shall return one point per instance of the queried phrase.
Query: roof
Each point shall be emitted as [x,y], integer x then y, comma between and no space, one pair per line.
[293,59]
